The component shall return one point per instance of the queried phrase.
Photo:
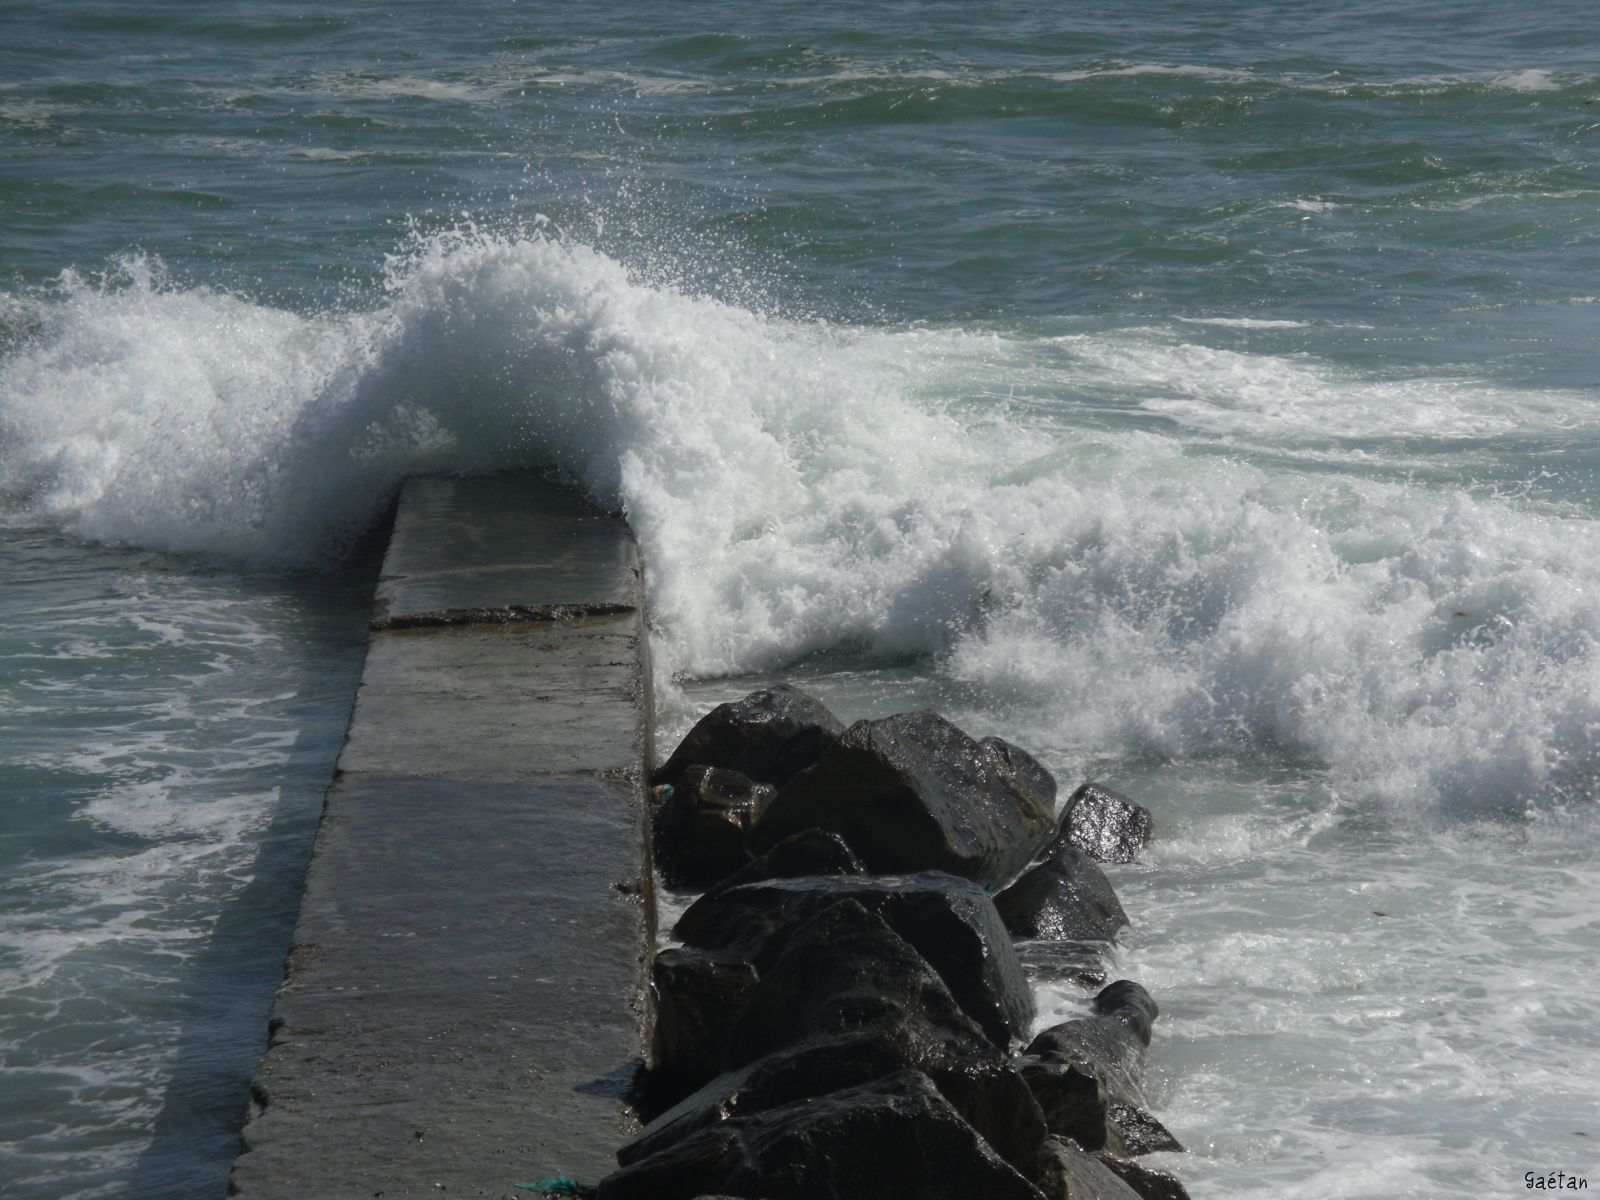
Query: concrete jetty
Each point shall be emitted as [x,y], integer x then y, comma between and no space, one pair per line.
[463,1002]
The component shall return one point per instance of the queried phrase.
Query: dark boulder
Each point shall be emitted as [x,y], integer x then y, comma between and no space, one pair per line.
[1105,825]
[841,968]
[702,820]
[914,793]
[1129,1003]
[1072,1099]
[1022,771]
[1117,1032]
[849,1000]
[1132,1130]
[1148,1183]
[1110,1046]
[1106,1049]
[1067,1173]
[813,852]
[952,923]
[1064,898]
[968,1072]
[698,997]
[894,1137]
[770,735]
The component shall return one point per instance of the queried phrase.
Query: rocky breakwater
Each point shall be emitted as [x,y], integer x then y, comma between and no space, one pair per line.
[849,1014]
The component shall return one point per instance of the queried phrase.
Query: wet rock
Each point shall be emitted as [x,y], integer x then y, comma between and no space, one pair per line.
[896,1136]
[1072,1099]
[1106,1049]
[968,1072]
[771,735]
[841,968]
[848,1001]
[1149,1184]
[1023,772]
[1110,1046]
[1069,1174]
[701,825]
[1105,825]
[1078,963]
[813,852]
[1129,1003]
[1064,898]
[914,793]
[698,997]
[1132,1130]
[952,924]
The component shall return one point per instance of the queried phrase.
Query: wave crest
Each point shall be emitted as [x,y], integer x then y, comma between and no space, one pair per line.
[798,486]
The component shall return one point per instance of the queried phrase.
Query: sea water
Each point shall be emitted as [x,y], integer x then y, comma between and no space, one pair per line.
[1202,397]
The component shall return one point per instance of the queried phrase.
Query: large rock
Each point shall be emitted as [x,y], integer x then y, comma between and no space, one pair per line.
[1130,1004]
[1069,1174]
[1071,1098]
[1105,825]
[844,971]
[1110,1046]
[1106,1049]
[813,852]
[1023,771]
[1064,898]
[894,1137]
[952,923]
[968,1072]
[914,793]
[1132,1130]
[842,968]
[698,998]
[1149,1184]
[702,820]
[770,735]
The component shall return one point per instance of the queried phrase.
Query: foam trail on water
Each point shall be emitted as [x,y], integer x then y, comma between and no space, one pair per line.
[799,486]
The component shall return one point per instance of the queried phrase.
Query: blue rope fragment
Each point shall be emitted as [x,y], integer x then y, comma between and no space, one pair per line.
[556,1185]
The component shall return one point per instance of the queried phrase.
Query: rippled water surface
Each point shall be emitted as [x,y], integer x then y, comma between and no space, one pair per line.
[1203,399]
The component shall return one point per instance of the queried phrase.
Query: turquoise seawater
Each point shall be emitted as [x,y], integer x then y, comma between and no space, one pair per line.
[1205,398]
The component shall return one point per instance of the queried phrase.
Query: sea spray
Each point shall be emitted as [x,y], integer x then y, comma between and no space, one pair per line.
[799,486]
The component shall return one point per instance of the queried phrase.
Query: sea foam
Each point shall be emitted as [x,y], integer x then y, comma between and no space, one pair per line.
[799,486]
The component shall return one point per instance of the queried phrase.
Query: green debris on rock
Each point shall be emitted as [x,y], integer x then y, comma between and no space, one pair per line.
[556,1185]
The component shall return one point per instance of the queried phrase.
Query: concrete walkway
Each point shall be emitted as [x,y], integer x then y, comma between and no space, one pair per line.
[463,999]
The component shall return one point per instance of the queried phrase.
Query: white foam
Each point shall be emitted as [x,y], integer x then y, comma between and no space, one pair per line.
[1282,397]
[1529,80]
[799,486]
[1136,70]
[1405,1018]
[1245,322]
[366,86]
[30,115]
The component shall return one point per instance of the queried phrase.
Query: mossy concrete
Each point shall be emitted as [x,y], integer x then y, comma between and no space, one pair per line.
[463,1002]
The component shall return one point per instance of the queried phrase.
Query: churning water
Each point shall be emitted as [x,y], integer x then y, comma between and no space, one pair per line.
[1204,400]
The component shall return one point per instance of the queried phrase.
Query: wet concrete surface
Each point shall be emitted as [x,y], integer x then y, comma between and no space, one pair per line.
[462,1004]
[467,544]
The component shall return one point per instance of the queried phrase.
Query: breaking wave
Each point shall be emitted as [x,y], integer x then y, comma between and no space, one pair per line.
[799,486]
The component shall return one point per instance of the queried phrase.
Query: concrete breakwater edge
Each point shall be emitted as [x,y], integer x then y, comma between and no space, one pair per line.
[464,990]
[472,996]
